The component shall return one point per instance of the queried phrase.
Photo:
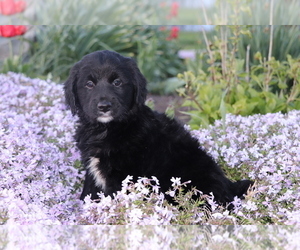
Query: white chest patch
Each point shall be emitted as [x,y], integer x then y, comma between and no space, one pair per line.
[96,173]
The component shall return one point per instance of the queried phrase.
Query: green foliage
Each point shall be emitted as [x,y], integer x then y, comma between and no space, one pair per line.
[285,42]
[158,60]
[253,39]
[189,40]
[241,12]
[15,64]
[259,13]
[57,48]
[97,12]
[225,86]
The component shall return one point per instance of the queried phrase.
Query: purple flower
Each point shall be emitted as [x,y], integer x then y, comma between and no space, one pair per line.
[41,175]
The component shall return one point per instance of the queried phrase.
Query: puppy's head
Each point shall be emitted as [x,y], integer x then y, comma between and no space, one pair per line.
[105,86]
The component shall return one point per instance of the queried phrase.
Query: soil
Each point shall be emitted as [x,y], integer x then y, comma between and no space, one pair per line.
[162,102]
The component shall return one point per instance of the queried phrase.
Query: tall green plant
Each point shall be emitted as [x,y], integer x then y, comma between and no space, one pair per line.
[285,42]
[57,48]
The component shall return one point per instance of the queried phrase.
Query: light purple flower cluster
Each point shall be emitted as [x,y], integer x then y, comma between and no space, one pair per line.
[130,205]
[264,148]
[149,237]
[37,173]
[41,176]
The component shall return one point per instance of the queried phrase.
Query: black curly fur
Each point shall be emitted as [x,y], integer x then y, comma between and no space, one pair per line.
[136,140]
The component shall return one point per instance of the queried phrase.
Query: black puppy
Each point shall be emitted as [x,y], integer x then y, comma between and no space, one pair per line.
[119,135]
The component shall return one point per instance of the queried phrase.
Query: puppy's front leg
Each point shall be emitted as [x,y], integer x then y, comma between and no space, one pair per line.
[89,187]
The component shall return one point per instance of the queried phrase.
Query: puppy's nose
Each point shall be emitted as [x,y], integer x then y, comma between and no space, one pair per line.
[104,106]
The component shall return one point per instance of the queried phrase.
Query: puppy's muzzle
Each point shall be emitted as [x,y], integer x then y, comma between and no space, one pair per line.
[104,112]
[104,106]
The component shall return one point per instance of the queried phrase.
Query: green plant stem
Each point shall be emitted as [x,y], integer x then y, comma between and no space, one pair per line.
[204,13]
[247,63]
[270,45]
[294,93]
[210,54]
[271,30]
[233,51]
[223,51]
[10,48]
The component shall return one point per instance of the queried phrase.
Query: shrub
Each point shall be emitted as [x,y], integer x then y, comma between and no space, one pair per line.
[258,17]
[257,39]
[229,84]
[158,60]
[57,48]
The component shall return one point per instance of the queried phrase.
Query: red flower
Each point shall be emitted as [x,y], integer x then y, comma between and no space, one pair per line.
[174,9]
[20,30]
[10,7]
[12,30]
[20,6]
[174,33]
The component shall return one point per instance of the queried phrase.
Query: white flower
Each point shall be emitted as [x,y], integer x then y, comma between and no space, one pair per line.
[176,181]
[250,205]
[135,215]
[171,193]
[217,238]
[155,189]
[155,180]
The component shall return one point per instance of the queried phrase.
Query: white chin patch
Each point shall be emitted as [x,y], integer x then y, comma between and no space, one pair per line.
[105,118]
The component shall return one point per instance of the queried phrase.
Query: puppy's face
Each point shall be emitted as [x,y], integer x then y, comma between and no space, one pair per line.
[105,91]
[105,86]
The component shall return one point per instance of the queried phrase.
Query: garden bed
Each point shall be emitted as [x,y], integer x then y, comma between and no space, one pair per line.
[41,175]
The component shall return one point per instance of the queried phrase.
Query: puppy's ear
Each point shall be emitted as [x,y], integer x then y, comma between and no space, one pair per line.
[70,90]
[140,83]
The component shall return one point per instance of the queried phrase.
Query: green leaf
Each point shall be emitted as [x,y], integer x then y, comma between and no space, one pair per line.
[282,85]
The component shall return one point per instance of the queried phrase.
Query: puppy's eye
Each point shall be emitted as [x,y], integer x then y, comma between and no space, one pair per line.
[90,85]
[117,82]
